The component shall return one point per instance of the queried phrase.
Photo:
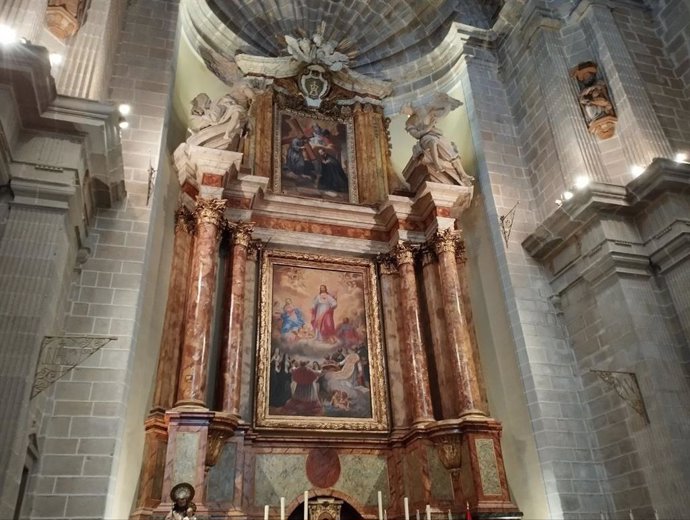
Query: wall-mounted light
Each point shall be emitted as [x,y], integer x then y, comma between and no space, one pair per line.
[124,109]
[55,59]
[581,182]
[8,35]
[636,170]
[123,124]
[567,195]
[681,157]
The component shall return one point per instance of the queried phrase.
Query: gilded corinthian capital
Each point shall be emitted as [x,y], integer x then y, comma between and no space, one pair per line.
[184,220]
[241,232]
[404,253]
[387,263]
[209,211]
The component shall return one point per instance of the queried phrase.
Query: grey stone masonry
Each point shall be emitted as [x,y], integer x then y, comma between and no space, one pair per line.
[544,355]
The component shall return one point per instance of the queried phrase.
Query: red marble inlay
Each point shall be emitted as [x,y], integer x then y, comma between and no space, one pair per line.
[239,202]
[189,190]
[212,179]
[323,467]
[316,227]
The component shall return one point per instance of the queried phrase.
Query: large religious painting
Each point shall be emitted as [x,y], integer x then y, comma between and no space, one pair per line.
[320,357]
[314,156]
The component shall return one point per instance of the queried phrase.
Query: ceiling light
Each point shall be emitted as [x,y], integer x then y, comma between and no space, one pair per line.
[567,195]
[55,59]
[637,170]
[581,182]
[124,124]
[681,157]
[7,35]
[124,109]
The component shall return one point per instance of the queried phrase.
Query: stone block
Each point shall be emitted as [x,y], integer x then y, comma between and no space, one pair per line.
[62,464]
[93,427]
[85,506]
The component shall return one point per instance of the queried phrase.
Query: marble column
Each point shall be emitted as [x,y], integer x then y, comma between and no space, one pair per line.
[153,466]
[458,330]
[414,351]
[231,357]
[191,389]
[173,327]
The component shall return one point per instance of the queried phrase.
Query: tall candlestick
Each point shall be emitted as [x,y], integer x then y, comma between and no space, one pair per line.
[380,496]
[450,516]
[385,514]
[417,514]
[306,505]
[282,508]
[630,514]
[428,512]
[406,502]
[265,512]
[656,517]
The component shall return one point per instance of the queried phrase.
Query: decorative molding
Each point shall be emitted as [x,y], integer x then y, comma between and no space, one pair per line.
[210,211]
[60,354]
[626,386]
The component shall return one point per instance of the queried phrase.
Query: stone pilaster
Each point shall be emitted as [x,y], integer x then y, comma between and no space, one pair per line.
[191,388]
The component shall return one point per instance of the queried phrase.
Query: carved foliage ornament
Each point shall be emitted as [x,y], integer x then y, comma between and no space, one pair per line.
[595,101]
[210,211]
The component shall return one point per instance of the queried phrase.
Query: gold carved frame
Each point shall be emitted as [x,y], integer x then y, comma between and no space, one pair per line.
[279,112]
[379,417]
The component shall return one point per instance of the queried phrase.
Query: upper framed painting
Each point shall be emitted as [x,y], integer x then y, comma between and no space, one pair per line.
[314,156]
[320,359]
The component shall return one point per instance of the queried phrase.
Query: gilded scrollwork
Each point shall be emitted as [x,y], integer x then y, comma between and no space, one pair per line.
[449,448]
[365,271]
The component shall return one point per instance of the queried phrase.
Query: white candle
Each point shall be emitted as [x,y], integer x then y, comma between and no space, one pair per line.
[450,516]
[630,514]
[282,508]
[306,505]
[602,517]
[406,502]
[656,517]
[385,514]
[265,512]
[380,496]
[428,512]
[417,514]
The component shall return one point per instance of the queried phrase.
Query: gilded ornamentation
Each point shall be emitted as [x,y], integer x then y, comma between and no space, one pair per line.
[488,467]
[241,232]
[352,271]
[210,211]
[626,386]
[59,355]
[404,253]
[388,264]
[184,220]
[449,449]
[325,509]
[219,431]
[446,241]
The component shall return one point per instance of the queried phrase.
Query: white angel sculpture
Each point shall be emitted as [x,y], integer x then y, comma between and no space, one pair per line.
[438,153]
[315,50]
[223,123]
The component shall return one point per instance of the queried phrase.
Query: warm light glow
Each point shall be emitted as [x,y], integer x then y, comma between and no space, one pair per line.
[558,202]
[637,170]
[55,59]
[581,182]
[7,35]
[567,195]
[124,125]
[124,109]
[681,157]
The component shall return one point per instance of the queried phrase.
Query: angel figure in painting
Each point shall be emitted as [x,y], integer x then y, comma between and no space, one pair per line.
[221,124]
[438,153]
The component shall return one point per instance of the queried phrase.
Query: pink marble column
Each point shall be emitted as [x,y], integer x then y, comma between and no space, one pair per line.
[231,357]
[414,351]
[458,330]
[191,388]
[173,327]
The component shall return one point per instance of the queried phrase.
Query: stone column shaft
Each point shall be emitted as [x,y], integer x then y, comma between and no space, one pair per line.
[232,354]
[173,327]
[640,130]
[458,329]
[191,388]
[417,368]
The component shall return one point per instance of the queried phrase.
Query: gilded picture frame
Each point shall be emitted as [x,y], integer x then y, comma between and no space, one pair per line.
[320,362]
[314,156]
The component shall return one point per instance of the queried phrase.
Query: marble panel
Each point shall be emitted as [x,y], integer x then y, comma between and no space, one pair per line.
[221,477]
[362,476]
[441,484]
[413,477]
[488,468]
[186,457]
[278,476]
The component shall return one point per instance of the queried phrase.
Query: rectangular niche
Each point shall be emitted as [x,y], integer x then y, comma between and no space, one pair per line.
[320,360]
[314,156]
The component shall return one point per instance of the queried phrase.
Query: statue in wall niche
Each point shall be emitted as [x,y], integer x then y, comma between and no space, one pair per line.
[595,101]
[438,153]
[221,124]
[183,508]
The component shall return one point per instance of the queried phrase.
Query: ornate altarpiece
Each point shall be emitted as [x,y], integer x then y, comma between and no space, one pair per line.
[342,290]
